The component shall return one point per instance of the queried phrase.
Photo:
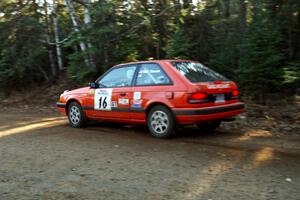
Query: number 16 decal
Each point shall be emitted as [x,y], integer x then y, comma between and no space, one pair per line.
[102,99]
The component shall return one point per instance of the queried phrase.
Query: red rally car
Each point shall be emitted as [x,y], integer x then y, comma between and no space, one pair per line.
[161,94]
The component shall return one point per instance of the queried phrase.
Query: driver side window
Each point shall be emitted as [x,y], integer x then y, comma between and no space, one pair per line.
[118,77]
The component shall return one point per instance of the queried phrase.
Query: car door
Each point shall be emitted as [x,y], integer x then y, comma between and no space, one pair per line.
[112,98]
[151,82]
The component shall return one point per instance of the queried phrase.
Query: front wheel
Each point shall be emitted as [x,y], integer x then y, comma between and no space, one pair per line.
[160,122]
[76,115]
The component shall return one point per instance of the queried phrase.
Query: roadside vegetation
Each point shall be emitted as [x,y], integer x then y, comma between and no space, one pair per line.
[255,42]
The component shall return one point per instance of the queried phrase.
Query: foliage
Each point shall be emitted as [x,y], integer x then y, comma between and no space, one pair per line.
[256,43]
[291,77]
[22,53]
[260,64]
[77,70]
[179,45]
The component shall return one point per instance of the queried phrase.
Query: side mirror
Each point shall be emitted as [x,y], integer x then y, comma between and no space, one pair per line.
[93,85]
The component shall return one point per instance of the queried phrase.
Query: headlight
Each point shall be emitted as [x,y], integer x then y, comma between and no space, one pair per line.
[65,92]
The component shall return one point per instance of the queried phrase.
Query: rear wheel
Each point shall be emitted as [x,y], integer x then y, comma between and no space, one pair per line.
[209,126]
[76,115]
[160,122]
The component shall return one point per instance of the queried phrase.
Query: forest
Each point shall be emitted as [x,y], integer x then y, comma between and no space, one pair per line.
[253,42]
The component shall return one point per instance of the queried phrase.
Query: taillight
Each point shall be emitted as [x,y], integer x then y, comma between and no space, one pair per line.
[235,94]
[197,98]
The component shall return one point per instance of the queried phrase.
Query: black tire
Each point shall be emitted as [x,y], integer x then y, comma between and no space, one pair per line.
[160,122]
[209,126]
[76,115]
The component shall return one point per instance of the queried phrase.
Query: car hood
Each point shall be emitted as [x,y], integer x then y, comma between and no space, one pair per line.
[79,90]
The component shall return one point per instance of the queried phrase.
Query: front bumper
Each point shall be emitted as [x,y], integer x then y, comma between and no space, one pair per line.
[191,116]
[61,107]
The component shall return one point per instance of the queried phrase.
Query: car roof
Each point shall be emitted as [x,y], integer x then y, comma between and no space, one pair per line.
[154,61]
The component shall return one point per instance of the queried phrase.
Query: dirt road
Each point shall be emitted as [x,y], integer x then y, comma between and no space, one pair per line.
[43,158]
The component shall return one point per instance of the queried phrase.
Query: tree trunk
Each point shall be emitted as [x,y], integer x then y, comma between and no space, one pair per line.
[161,27]
[177,11]
[297,36]
[242,15]
[87,21]
[76,29]
[43,72]
[290,31]
[56,34]
[226,8]
[187,4]
[47,33]
[36,15]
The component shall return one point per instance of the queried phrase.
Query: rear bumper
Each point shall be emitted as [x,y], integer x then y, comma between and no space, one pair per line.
[191,116]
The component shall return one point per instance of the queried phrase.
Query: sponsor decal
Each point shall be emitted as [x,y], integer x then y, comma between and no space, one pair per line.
[102,99]
[137,95]
[114,104]
[123,101]
[137,103]
[218,86]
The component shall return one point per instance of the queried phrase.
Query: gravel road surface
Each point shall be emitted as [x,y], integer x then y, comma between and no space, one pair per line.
[41,157]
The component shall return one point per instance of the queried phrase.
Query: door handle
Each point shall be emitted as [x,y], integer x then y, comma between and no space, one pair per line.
[123,94]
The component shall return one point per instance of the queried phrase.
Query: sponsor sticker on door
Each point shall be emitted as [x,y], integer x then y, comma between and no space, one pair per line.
[137,95]
[137,103]
[114,104]
[123,101]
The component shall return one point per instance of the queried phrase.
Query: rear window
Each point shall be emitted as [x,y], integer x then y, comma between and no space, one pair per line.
[196,72]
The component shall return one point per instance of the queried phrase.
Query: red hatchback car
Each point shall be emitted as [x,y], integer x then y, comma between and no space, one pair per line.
[161,94]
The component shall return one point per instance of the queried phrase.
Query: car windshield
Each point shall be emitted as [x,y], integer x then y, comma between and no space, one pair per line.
[196,72]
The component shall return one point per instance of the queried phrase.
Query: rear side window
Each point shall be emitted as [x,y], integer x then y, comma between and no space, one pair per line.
[152,74]
[118,77]
[196,72]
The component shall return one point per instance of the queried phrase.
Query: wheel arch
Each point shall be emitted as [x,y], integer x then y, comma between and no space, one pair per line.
[69,102]
[153,104]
